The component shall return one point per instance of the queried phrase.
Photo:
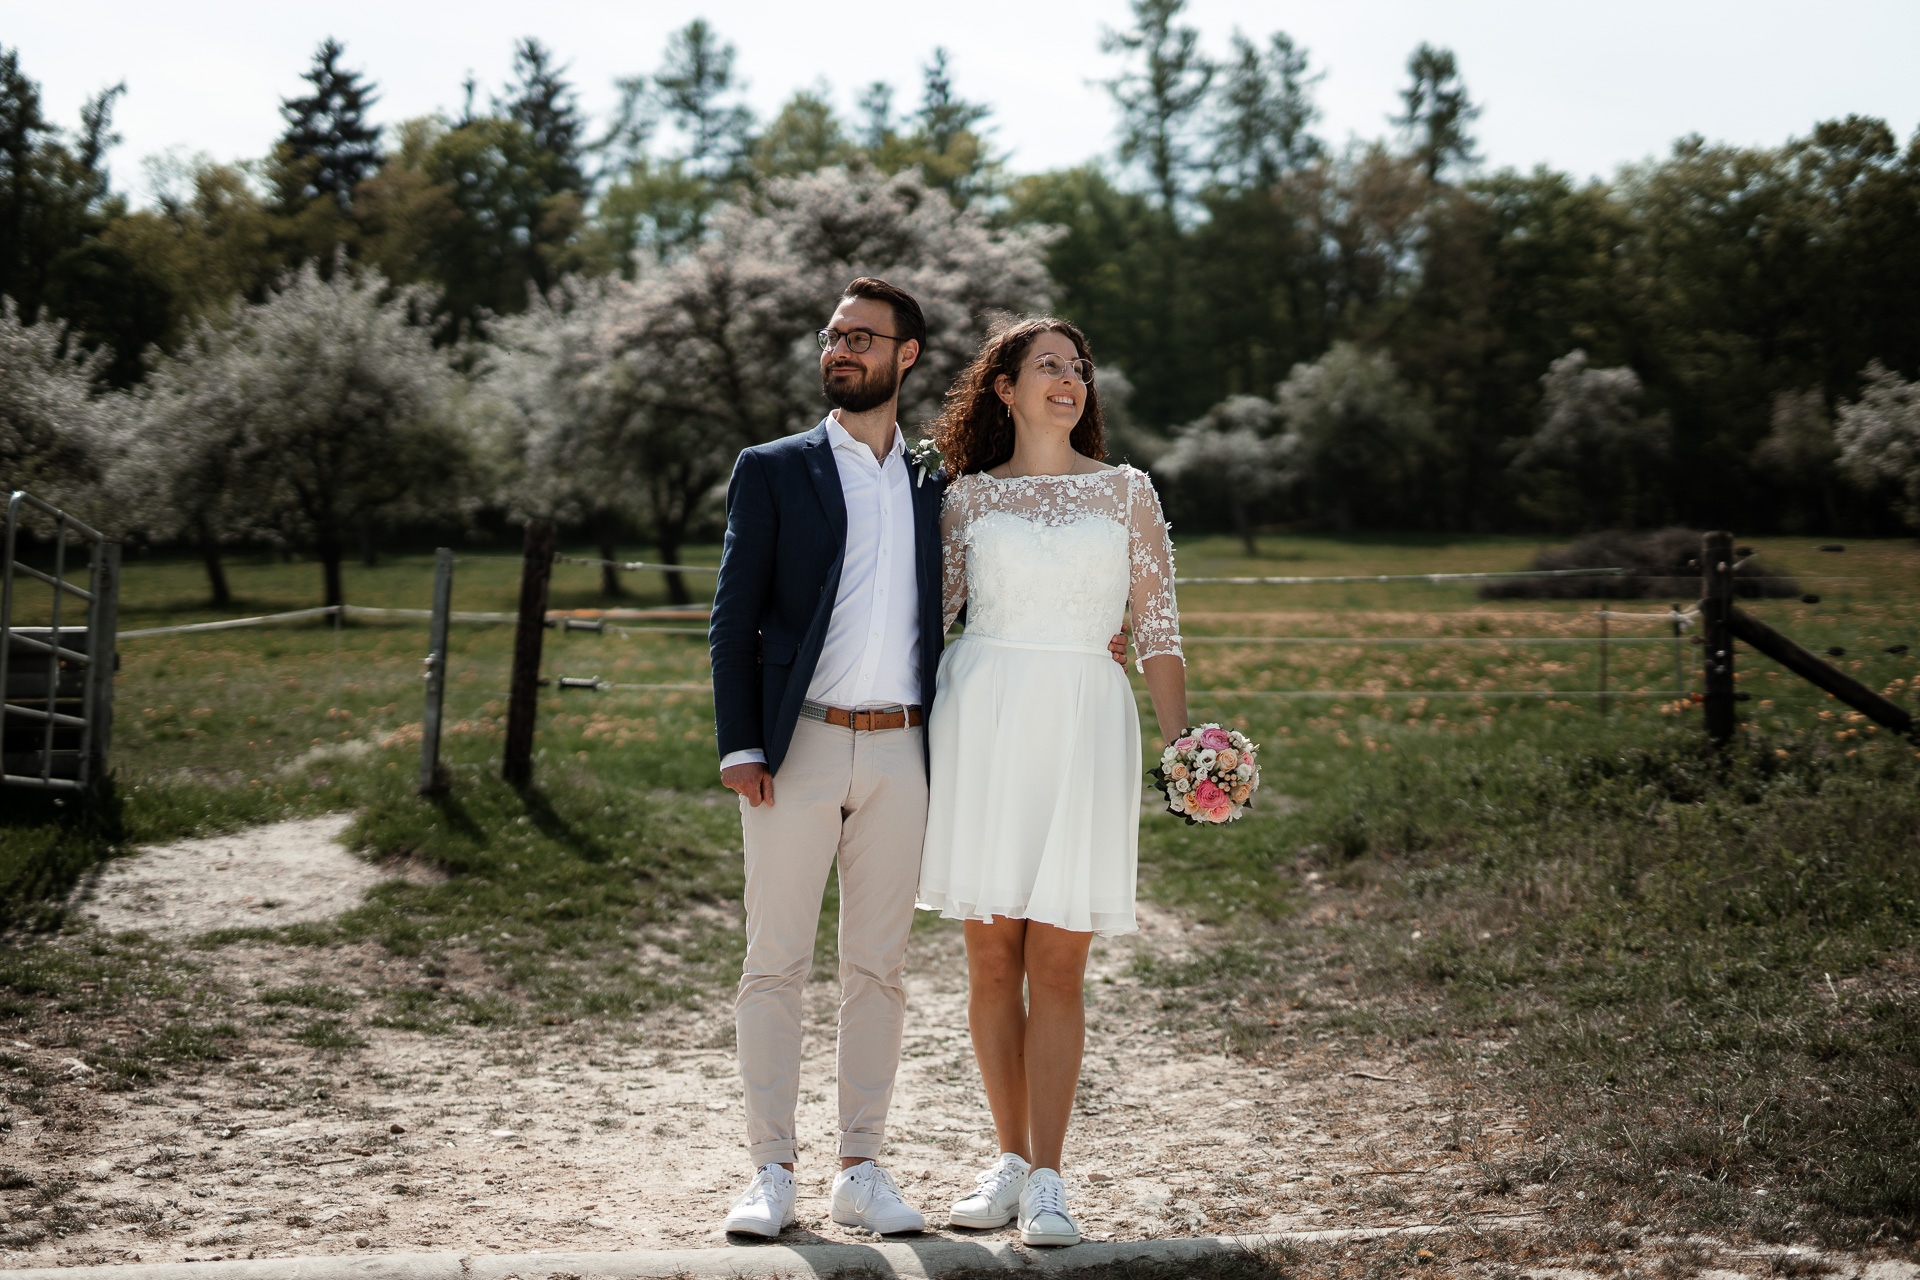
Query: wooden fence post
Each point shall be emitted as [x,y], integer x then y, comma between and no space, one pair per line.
[1679,655]
[1716,617]
[1603,659]
[103,630]
[433,777]
[536,571]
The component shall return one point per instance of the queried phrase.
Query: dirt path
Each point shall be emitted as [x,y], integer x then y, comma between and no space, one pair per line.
[526,1137]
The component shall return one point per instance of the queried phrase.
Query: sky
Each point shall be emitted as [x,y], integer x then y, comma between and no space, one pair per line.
[1582,88]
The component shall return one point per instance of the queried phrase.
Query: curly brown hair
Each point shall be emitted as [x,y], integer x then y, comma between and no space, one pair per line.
[974,431]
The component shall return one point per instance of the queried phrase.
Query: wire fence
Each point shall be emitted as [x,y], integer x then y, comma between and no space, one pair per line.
[394,689]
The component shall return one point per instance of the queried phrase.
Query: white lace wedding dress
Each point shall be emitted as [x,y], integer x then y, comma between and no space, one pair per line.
[1034,809]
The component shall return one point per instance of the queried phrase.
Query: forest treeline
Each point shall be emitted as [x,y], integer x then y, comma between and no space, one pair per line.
[1380,334]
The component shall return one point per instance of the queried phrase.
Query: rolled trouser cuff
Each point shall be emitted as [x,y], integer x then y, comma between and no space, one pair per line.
[778,1152]
[862,1146]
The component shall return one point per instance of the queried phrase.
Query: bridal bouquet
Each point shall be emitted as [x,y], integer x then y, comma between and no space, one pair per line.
[1209,774]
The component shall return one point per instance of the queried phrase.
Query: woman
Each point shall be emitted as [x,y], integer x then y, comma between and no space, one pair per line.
[1034,805]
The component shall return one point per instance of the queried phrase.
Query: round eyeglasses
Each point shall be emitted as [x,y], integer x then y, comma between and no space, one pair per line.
[858,340]
[1052,366]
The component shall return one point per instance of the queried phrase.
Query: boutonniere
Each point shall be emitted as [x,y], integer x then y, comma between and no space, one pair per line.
[926,455]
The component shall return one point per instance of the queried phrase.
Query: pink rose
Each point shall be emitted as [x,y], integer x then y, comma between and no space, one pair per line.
[1218,739]
[1222,813]
[1209,796]
[1187,744]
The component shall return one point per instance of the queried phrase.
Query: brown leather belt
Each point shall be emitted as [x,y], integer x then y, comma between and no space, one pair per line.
[895,717]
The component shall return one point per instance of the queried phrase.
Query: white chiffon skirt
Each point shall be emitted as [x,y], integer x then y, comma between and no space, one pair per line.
[1034,808]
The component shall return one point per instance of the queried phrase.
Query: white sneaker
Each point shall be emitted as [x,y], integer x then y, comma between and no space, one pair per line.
[996,1195]
[766,1208]
[865,1196]
[1043,1211]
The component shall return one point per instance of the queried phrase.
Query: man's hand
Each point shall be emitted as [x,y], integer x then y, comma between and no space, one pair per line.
[751,780]
[1118,647]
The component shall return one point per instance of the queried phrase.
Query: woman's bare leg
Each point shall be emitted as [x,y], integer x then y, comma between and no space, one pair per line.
[997,1019]
[1056,1035]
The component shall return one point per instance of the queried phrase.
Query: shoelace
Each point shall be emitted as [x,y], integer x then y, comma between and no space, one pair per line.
[759,1191]
[1050,1195]
[994,1180]
[883,1182]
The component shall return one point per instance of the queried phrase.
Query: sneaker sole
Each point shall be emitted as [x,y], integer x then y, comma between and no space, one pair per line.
[1048,1237]
[756,1229]
[979,1223]
[879,1231]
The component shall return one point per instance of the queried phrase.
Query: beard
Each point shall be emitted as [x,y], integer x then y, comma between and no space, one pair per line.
[857,395]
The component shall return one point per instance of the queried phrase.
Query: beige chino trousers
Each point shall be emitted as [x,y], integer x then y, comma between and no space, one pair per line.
[860,798]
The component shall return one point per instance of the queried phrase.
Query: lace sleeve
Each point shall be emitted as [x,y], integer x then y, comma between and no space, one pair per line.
[1150,602]
[954,518]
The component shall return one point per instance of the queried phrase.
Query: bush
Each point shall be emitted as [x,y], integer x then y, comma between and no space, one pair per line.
[1661,564]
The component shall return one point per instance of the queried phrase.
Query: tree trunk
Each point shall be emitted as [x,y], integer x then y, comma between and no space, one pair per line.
[216,571]
[609,554]
[670,554]
[1242,526]
[329,549]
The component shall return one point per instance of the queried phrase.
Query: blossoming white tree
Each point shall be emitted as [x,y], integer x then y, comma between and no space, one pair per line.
[636,398]
[58,428]
[1234,455]
[1355,436]
[1879,437]
[303,415]
[1593,433]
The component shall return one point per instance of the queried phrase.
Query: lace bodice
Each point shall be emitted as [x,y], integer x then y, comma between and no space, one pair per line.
[1060,559]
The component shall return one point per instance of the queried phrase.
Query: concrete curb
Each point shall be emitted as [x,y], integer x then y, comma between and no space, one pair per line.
[910,1260]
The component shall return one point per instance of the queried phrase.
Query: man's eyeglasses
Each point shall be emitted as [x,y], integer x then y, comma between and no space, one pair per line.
[1052,366]
[858,341]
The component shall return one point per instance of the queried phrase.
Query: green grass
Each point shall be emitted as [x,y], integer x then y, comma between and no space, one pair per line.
[1704,963]
[1627,883]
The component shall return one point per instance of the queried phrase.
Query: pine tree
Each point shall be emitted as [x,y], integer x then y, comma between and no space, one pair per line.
[1438,111]
[1266,108]
[945,143]
[876,115]
[23,131]
[328,141]
[1159,98]
[696,77]
[944,116]
[543,102]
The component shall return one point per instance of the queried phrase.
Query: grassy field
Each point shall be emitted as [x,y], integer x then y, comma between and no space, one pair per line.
[1702,966]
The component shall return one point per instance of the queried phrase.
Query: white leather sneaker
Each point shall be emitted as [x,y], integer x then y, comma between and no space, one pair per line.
[1043,1211]
[766,1208]
[865,1196]
[996,1195]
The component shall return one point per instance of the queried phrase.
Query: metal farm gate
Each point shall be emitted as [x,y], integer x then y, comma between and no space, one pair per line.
[56,678]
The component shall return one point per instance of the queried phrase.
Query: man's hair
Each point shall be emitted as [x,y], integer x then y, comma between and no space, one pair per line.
[908,322]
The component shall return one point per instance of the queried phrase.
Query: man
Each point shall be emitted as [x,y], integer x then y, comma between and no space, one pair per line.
[826,637]
[826,634]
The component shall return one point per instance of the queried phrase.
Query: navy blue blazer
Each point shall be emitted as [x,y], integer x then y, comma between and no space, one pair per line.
[779,576]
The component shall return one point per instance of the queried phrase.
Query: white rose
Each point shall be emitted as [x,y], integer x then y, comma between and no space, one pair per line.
[1182,785]
[1244,772]
[1204,761]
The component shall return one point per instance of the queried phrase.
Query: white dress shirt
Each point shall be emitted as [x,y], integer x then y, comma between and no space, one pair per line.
[871,656]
